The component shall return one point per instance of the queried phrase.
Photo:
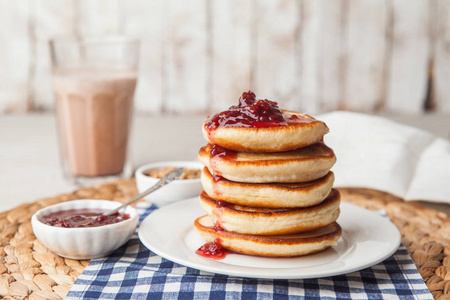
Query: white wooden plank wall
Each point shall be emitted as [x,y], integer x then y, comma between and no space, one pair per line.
[232,52]
[186,43]
[198,56]
[144,19]
[51,18]
[441,78]
[309,45]
[276,70]
[15,49]
[99,17]
[408,70]
[365,50]
[330,55]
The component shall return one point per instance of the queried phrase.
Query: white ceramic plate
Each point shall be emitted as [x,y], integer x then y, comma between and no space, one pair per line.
[367,239]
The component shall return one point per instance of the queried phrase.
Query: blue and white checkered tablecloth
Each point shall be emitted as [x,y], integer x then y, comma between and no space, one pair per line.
[134,272]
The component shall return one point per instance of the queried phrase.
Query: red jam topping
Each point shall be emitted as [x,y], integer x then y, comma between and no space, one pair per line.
[217,178]
[216,153]
[221,152]
[77,218]
[252,113]
[212,250]
[222,203]
[218,226]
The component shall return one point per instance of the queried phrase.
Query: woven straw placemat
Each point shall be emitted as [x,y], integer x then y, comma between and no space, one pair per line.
[30,271]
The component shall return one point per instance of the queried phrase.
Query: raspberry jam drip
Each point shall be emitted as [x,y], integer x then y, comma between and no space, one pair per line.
[212,250]
[216,153]
[217,178]
[222,203]
[251,112]
[221,152]
[218,226]
[78,218]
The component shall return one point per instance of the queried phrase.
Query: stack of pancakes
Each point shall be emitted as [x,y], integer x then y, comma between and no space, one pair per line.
[268,190]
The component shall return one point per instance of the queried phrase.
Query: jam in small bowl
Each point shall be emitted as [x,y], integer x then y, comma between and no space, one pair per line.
[78,229]
[189,185]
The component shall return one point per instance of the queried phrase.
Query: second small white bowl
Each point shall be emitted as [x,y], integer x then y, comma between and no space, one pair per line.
[88,242]
[174,191]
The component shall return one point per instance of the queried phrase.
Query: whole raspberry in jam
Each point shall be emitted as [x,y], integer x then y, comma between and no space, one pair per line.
[247,98]
[249,113]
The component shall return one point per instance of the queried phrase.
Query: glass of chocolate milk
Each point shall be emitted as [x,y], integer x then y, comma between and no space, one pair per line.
[94,82]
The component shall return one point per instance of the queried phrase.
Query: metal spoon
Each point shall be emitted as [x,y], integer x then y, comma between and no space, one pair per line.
[172,175]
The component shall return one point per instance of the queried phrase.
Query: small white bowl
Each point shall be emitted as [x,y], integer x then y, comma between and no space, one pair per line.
[89,242]
[175,190]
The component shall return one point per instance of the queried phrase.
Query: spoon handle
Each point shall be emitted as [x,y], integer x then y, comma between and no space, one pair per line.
[172,175]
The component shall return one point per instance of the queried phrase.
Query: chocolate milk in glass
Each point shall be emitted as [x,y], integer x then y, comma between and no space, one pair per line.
[94,109]
[94,81]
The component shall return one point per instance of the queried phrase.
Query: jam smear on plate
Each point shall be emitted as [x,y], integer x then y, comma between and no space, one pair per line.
[212,250]
[253,113]
[80,218]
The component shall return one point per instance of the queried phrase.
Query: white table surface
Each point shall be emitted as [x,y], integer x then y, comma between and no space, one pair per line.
[29,157]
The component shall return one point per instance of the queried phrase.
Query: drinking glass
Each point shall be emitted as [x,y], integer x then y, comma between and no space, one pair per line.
[94,80]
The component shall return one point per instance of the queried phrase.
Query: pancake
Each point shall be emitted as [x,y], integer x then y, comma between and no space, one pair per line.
[270,221]
[304,132]
[300,165]
[282,195]
[289,245]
